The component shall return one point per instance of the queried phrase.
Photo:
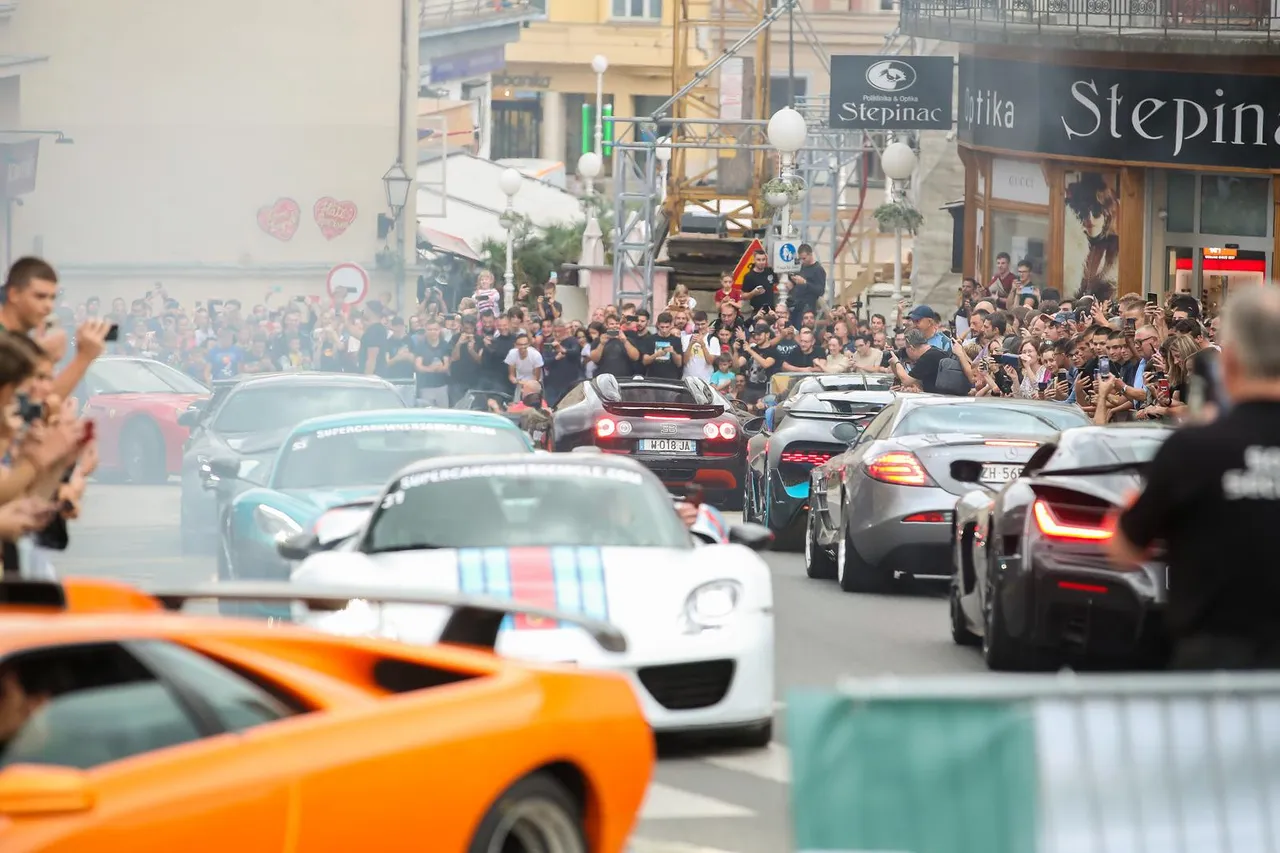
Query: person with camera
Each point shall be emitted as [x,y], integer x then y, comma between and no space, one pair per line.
[614,353]
[1212,497]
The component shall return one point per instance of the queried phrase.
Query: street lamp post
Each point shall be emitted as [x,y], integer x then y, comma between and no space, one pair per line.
[787,131]
[662,151]
[397,183]
[509,182]
[898,162]
[599,64]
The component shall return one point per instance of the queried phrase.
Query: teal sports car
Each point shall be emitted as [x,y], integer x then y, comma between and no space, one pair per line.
[331,461]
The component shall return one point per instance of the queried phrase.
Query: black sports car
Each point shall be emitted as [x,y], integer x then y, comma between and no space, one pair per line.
[1032,583]
[883,508]
[246,420]
[684,431]
[808,432]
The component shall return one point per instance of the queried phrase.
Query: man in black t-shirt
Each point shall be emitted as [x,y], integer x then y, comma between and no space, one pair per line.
[1213,497]
[614,353]
[373,342]
[431,363]
[924,360]
[636,329]
[493,364]
[664,354]
[761,363]
[760,283]
[802,357]
[397,356]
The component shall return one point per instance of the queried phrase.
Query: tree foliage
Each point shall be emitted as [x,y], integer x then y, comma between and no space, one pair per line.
[537,251]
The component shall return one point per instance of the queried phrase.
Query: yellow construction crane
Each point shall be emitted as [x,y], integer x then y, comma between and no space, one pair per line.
[724,177]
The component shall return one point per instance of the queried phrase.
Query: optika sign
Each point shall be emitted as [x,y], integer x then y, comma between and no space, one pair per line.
[1233,123]
[891,93]
[1123,115]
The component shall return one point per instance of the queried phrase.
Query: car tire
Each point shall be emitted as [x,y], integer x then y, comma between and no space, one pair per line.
[748,505]
[960,632]
[853,573]
[142,453]
[1001,652]
[539,805]
[818,562]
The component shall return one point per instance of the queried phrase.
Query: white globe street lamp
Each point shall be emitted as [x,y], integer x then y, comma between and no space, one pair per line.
[599,64]
[509,182]
[898,162]
[787,132]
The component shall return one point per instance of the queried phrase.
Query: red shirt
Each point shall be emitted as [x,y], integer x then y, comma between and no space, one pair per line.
[734,294]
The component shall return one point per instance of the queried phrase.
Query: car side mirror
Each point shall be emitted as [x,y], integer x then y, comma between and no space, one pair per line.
[219,470]
[299,546]
[757,537]
[30,790]
[846,432]
[190,417]
[966,471]
[753,426]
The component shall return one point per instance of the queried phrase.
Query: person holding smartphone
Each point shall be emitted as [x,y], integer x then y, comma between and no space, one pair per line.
[614,353]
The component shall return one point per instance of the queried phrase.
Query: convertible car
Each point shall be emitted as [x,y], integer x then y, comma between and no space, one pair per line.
[331,461]
[588,533]
[1032,582]
[247,419]
[810,430]
[684,431]
[884,506]
[130,728]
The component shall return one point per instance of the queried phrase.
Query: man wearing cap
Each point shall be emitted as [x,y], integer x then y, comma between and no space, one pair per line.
[926,320]
[762,361]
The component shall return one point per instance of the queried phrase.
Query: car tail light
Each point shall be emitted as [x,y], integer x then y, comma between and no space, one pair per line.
[805,457]
[1076,586]
[728,431]
[710,431]
[898,468]
[725,431]
[928,518]
[606,428]
[1053,526]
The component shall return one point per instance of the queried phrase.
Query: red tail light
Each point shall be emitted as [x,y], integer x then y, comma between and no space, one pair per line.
[898,468]
[606,428]
[1053,527]
[802,457]
[725,431]
[928,518]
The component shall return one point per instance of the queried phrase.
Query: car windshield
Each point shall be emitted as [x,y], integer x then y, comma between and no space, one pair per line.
[128,376]
[370,454]
[1116,447]
[280,406]
[517,504]
[990,419]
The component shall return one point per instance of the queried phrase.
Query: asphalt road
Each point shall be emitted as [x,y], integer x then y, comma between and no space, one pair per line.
[703,798]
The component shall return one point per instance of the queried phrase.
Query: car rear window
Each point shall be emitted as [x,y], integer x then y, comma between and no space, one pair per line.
[990,419]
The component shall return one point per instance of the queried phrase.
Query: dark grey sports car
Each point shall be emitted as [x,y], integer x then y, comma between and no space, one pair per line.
[885,505]
[808,432]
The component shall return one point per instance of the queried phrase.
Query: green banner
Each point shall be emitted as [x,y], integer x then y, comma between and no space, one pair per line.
[911,776]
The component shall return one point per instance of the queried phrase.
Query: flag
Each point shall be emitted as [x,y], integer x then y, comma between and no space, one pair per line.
[744,263]
[982,768]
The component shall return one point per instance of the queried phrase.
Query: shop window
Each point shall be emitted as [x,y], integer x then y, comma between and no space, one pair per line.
[643,9]
[1180,202]
[1234,206]
[517,129]
[1025,236]
[780,92]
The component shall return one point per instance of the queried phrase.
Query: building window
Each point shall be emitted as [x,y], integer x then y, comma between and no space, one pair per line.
[644,9]
[888,5]
[517,129]
[1025,236]
[780,92]
[1235,206]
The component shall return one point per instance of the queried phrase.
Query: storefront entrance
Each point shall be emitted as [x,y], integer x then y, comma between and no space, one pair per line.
[1217,234]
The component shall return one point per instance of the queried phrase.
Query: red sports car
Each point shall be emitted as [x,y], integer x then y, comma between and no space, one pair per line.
[136,403]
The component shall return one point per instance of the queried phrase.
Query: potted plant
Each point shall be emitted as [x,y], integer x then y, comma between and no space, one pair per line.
[778,192]
[898,215]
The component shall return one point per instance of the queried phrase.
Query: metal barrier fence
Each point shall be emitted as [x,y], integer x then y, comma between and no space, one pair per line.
[979,20]
[1038,764]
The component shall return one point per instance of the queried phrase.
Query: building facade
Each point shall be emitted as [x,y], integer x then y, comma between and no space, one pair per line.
[538,98]
[1133,147]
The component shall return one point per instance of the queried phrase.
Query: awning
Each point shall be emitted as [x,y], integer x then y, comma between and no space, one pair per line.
[448,244]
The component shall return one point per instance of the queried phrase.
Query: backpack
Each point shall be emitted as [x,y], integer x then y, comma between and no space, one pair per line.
[951,378]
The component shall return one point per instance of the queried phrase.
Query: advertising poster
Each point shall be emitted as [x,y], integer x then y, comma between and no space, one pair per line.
[1091,244]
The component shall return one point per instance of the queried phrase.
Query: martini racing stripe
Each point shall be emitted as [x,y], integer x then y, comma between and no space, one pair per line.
[563,578]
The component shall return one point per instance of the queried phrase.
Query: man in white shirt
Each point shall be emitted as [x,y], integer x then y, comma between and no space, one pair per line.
[523,362]
[700,348]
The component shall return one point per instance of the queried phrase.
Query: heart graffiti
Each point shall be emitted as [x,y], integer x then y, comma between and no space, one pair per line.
[281,219]
[333,216]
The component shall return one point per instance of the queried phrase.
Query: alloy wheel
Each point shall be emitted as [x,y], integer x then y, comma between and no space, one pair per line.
[808,541]
[842,556]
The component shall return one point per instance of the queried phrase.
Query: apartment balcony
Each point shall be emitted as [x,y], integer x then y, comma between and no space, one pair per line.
[444,17]
[1221,27]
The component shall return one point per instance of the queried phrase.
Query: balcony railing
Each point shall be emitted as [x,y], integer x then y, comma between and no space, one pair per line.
[1241,21]
[453,14]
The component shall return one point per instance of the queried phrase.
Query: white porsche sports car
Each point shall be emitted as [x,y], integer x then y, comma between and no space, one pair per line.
[590,534]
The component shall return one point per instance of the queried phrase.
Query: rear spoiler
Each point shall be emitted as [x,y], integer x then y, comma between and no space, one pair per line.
[674,410]
[831,416]
[475,620]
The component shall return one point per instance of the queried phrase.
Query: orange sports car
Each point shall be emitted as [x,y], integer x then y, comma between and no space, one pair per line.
[127,727]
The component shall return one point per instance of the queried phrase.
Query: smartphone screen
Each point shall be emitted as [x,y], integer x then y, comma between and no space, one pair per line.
[1104,366]
[1130,324]
[1152,299]
[113,334]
